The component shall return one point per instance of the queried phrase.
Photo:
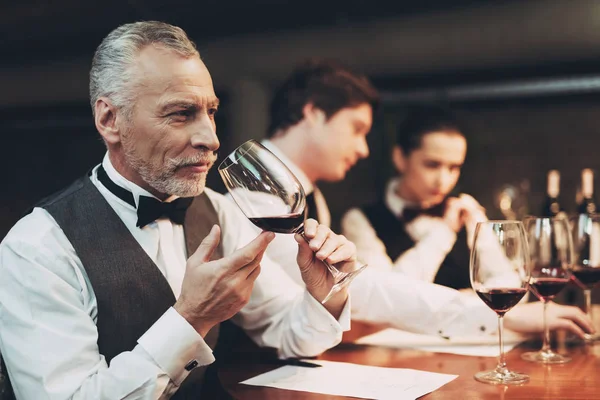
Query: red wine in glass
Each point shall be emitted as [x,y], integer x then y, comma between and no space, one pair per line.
[501,300]
[546,288]
[499,272]
[585,277]
[280,224]
[551,251]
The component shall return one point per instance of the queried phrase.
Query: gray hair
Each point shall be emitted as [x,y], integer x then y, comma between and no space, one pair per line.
[112,75]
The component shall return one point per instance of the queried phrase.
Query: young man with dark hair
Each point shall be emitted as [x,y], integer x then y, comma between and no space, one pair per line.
[320,118]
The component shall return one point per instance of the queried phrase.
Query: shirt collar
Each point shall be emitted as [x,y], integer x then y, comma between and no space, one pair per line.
[302,178]
[393,201]
[118,179]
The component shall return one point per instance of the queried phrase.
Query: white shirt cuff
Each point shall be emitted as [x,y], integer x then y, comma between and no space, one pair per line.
[477,319]
[175,346]
[442,238]
[319,318]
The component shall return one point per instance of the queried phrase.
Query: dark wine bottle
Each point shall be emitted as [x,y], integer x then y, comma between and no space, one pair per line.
[587,205]
[552,207]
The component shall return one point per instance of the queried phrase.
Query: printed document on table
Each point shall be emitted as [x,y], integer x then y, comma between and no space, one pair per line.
[481,346]
[354,380]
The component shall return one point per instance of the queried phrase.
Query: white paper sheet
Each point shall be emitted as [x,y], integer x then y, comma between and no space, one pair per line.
[354,380]
[481,346]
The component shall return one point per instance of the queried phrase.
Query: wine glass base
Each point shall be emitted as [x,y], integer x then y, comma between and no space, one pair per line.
[343,282]
[496,377]
[545,357]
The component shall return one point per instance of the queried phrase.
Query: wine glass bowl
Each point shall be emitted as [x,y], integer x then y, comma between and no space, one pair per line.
[264,188]
[271,197]
[585,270]
[499,272]
[551,254]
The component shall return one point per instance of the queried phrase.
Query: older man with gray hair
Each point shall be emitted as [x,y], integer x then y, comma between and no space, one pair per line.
[115,287]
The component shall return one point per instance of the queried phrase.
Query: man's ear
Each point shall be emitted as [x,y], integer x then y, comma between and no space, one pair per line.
[399,159]
[106,120]
[313,115]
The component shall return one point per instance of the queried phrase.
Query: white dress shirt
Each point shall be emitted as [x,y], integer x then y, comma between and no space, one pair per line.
[380,296]
[433,240]
[284,245]
[48,310]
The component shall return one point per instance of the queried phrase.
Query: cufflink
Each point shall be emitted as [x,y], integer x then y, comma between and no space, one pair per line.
[191,365]
[441,333]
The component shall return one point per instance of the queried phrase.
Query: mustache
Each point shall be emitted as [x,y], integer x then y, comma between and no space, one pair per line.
[208,157]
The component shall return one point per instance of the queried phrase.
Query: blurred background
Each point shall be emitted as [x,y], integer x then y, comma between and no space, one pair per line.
[524,75]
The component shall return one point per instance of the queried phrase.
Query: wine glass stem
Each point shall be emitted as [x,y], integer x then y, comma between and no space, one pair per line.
[501,362]
[587,296]
[546,345]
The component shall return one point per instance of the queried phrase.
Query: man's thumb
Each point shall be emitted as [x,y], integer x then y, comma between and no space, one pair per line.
[208,245]
[305,254]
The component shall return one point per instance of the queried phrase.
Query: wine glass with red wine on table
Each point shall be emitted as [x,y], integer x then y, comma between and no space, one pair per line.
[551,254]
[585,270]
[271,196]
[499,272]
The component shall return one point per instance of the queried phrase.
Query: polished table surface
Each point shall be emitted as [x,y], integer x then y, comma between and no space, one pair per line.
[578,379]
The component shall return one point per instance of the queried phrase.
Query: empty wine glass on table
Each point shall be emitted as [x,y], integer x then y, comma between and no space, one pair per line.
[585,270]
[499,272]
[271,197]
[550,251]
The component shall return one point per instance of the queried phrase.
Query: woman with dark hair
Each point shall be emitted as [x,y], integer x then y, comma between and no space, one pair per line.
[320,118]
[419,228]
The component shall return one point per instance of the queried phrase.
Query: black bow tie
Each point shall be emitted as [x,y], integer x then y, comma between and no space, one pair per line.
[149,209]
[409,214]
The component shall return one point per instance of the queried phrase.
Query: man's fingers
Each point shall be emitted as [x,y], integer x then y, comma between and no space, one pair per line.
[251,253]
[578,317]
[254,273]
[321,235]
[345,252]
[249,268]
[569,326]
[310,228]
[305,254]
[331,243]
[260,243]
[208,246]
[584,322]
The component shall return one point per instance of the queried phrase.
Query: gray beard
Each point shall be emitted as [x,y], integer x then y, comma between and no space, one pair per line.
[164,179]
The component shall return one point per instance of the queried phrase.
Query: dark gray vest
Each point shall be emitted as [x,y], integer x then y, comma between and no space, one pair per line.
[454,271]
[6,392]
[130,290]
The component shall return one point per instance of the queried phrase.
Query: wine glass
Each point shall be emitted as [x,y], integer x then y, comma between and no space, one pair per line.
[499,272]
[551,251]
[586,266]
[271,197]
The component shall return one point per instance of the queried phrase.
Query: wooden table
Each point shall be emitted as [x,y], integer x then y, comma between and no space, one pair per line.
[579,379]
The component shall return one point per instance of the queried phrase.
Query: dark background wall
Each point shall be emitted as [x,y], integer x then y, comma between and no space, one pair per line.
[431,50]
[510,142]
